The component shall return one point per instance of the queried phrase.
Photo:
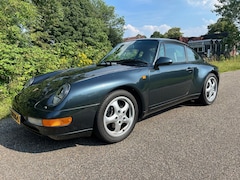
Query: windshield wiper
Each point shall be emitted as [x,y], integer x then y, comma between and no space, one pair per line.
[132,62]
[107,63]
[128,62]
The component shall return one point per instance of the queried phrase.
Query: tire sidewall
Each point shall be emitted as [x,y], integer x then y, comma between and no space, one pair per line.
[204,96]
[99,124]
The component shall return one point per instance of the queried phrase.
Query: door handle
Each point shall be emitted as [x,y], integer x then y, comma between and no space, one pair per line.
[189,69]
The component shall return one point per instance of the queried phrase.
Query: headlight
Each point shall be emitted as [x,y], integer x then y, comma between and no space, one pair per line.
[29,83]
[61,94]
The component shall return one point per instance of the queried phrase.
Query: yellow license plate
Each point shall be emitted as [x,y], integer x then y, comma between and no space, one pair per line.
[16,117]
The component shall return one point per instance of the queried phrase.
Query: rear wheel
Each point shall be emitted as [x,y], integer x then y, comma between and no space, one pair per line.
[210,90]
[116,117]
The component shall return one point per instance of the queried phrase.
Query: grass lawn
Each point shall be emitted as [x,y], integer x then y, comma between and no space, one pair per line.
[224,66]
[227,65]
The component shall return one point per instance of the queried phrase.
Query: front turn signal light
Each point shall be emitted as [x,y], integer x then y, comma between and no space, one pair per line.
[59,122]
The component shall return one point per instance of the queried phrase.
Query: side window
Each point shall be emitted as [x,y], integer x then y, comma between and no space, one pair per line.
[192,56]
[176,52]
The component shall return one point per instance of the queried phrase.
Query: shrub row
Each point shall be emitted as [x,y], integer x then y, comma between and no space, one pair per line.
[17,65]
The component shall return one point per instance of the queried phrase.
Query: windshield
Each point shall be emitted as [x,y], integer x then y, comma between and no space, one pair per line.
[140,52]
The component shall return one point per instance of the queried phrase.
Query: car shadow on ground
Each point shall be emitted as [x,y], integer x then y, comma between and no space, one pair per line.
[20,139]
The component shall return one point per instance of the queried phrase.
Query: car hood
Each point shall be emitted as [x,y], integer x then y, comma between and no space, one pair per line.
[32,95]
[79,74]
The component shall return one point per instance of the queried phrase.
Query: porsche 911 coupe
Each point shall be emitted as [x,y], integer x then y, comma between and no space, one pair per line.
[135,79]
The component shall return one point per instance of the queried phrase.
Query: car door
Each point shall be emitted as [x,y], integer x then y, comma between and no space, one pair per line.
[170,82]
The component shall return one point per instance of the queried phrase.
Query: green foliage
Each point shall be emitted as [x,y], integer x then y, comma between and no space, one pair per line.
[88,21]
[113,22]
[157,34]
[17,18]
[229,9]
[17,65]
[224,25]
[4,106]
[40,36]
[173,33]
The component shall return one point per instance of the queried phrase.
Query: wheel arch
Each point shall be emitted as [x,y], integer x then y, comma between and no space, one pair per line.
[137,95]
[203,74]
[202,99]
[216,74]
[128,89]
[211,72]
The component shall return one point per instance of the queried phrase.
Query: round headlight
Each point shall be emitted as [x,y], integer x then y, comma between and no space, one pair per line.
[61,93]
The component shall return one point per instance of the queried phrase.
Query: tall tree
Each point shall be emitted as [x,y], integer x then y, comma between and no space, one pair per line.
[157,34]
[114,23]
[52,14]
[17,19]
[89,21]
[229,9]
[173,33]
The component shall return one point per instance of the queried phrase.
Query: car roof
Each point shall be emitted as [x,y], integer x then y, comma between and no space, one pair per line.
[162,40]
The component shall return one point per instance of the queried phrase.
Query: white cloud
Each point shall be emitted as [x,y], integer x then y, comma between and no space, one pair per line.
[131,31]
[203,3]
[149,29]
[146,30]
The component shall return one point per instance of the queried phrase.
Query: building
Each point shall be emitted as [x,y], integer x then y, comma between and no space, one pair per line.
[209,45]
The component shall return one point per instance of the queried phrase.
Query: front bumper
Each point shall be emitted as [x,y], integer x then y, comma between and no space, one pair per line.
[81,125]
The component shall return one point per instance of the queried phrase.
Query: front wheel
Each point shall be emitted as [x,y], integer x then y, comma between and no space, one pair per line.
[116,117]
[210,90]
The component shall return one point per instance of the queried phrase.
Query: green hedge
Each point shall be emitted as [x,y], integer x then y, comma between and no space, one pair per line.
[17,64]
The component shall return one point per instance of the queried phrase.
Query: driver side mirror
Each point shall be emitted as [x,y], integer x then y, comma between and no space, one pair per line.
[162,61]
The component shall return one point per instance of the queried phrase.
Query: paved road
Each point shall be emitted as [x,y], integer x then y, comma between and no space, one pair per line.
[186,142]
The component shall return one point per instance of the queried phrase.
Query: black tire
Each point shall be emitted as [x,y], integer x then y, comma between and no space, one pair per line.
[116,116]
[209,90]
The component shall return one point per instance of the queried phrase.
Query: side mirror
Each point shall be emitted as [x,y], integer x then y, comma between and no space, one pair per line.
[162,61]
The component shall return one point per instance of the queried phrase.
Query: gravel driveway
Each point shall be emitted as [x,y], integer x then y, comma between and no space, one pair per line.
[185,142]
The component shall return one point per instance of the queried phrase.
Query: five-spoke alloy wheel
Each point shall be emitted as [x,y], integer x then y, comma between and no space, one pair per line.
[117,116]
[210,90]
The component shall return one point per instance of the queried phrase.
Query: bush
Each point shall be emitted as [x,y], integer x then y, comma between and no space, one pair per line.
[18,64]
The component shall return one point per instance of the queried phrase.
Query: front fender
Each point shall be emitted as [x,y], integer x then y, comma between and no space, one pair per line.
[94,91]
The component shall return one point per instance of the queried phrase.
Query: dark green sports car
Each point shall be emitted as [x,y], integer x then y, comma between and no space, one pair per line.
[135,79]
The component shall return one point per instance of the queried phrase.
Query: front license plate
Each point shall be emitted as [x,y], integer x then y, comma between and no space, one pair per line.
[16,116]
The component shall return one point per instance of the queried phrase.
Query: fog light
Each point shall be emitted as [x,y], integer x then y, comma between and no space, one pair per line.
[57,122]
[35,121]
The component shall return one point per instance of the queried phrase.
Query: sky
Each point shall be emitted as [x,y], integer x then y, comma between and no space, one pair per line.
[146,16]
